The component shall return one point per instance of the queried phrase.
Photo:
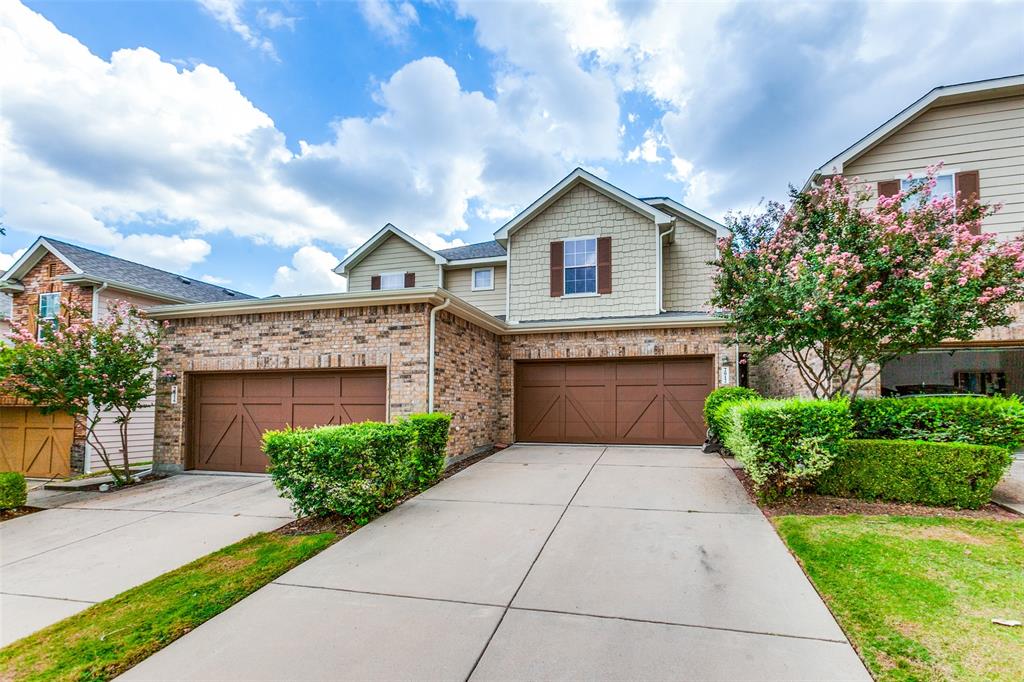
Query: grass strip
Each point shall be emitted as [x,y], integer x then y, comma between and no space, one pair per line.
[110,637]
[917,595]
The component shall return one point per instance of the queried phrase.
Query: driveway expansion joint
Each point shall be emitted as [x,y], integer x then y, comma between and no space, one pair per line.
[43,596]
[390,594]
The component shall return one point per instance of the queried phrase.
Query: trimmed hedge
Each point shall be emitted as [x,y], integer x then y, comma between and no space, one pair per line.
[13,490]
[356,470]
[981,421]
[785,445]
[921,472]
[714,414]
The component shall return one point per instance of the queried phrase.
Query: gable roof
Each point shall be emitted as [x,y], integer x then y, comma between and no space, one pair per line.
[577,177]
[93,266]
[491,249]
[991,88]
[389,230]
[699,219]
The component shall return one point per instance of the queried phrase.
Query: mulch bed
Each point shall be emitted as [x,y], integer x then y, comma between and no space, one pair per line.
[7,514]
[343,525]
[809,504]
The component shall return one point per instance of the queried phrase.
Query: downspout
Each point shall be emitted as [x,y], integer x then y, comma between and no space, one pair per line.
[661,275]
[430,357]
[96,291]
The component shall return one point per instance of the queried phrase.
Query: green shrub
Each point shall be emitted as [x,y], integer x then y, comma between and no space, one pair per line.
[785,445]
[357,470]
[939,474]
[13,491]
[429,448]
[981,421]
[714,414]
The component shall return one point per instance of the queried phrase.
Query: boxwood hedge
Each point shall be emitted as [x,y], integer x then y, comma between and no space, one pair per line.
[921,472]
[714,412]
[13,490]
[357,470]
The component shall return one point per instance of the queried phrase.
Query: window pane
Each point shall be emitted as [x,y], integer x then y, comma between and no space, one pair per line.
[581,280]
[394,280]
[482,279]
[49,305]
[943,188]
[580,252]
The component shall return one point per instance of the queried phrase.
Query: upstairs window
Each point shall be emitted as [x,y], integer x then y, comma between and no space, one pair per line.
[943,188]
[580,260]
[49,310]
[483,279]
[392,280]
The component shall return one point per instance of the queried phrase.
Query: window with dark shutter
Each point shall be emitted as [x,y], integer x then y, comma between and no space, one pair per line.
[410,280]
[888,188]
[375,282]
[557,255]
[604,265]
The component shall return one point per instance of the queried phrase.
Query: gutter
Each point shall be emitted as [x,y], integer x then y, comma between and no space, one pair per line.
[430,356]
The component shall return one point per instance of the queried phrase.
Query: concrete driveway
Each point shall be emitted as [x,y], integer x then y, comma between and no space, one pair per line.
[92,546]
[541,562]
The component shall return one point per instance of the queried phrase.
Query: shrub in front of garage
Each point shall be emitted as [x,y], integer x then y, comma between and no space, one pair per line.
[982,421]
[357,470]
[784,445]
[920,472]
[715,406]
[13,490]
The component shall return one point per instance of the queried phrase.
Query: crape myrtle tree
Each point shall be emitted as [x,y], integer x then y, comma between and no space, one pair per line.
[840,286]
[77,363]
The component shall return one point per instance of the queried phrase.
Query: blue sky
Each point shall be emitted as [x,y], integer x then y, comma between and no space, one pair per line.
[257,143]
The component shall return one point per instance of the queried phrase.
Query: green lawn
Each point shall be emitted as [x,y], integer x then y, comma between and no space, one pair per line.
[108,638]
[916,595]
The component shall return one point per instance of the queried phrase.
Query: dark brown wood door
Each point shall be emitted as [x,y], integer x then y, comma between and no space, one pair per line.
[230,412]
[641,402]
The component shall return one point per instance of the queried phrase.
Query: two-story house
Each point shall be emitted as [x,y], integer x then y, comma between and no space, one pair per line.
[51,279]
[585,320]
[977,131]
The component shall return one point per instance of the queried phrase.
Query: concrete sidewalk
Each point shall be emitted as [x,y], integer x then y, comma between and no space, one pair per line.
[541,562]
[1010,491]
[93,546]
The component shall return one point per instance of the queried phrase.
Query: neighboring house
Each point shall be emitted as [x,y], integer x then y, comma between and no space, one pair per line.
[6,310]
[977,131]
[586,320]
[48,278]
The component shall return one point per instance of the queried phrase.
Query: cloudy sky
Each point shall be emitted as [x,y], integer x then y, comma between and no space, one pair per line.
[255,144]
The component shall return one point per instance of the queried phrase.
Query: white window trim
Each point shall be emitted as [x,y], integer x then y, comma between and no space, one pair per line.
[40,311]
[920,173]
[585,294]
[392,274]
[472,280]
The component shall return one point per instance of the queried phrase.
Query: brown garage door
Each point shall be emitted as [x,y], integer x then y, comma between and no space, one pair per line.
[230,412]
[34,443]
[629,401]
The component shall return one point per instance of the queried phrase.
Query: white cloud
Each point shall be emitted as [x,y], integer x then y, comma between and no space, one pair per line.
[311,272]
[9,259]
[162,251]
[390,19]
[211,279]
[647,150]
[228,13]
[275,19]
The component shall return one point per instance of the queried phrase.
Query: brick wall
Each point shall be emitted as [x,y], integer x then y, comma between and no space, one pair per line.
[777,377]
[630,343]
[583,212]
[466,383]
[393,336]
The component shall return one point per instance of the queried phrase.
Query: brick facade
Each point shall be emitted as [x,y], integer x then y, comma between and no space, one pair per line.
[392,337]
[466,383]
[631,343]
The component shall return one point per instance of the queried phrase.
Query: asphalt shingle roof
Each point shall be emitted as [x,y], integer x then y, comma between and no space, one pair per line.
[491,249]
[114,269]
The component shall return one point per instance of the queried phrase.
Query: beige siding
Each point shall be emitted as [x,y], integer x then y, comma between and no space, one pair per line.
[984,136]
[460,282]
[394,255]
[582,212]
[687,275]
[140,428]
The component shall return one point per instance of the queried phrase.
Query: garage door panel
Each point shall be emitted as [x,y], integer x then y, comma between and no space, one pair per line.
[230,413]
[34,443]
[613,401]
